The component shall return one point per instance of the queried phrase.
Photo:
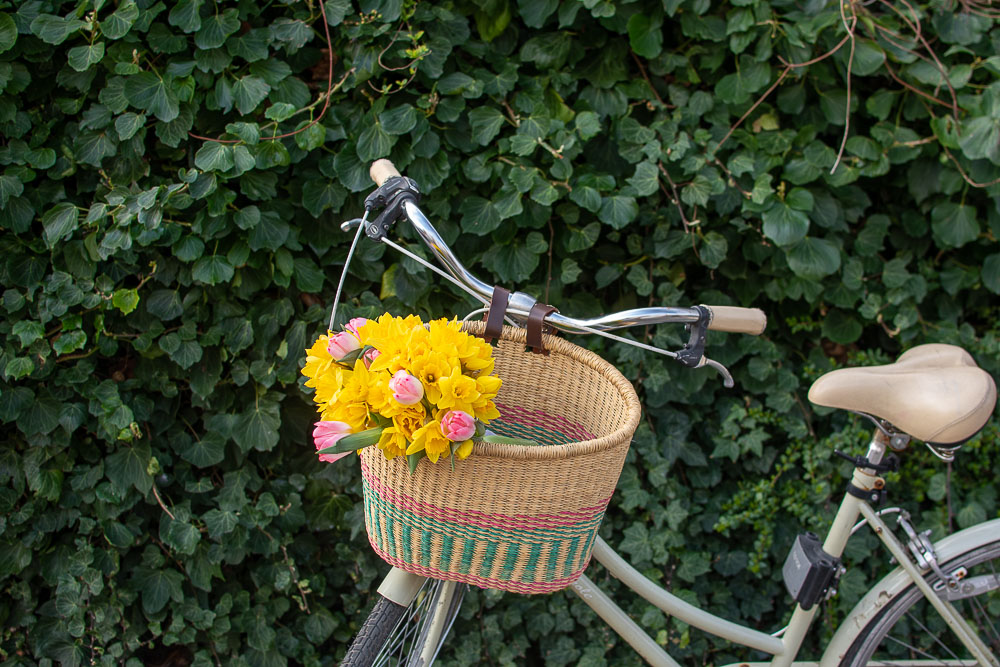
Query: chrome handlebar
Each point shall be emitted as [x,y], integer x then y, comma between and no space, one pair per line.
[520,303]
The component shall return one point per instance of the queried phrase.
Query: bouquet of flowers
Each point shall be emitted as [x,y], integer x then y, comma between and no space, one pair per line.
[414,389]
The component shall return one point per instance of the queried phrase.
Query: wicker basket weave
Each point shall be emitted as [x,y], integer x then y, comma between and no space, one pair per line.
[513,517]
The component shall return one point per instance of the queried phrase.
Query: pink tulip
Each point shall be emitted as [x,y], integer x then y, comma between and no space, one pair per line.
[355,324]
[370,356]
[457,425]
[342,344]
[405,388]
[328,433]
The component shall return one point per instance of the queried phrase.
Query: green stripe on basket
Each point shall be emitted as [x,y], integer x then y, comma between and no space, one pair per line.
[570,566]
[447,542]
[491,553]
[425,548]
[540,435]
[553,563]
[405,535]
[373,521]
[467,552]
[513,551]
[533,556]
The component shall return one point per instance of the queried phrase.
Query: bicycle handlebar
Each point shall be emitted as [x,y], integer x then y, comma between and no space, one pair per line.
[721,318]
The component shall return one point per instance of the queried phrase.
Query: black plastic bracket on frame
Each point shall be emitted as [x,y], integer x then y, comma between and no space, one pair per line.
[389,198]
[694,351]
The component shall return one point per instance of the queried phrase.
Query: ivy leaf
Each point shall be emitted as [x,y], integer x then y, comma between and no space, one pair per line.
[399,120]
[319,195]
[59,221]
[750,77]
[784,225]
[535,12]
[81,58]
[270,233]
[479,216]
[216,28]
[336,11]
[486,123]
[10,186]
[8,32]
[645,35]
[991,273]
[149,92]
[214,156]
[120,22]
[954,225]
[813,258]
[186,15]
[127,467]
[841,327]
[374,142]
[220,522]
[212,270]
[257,428]
[981,139]
[128,124]
[159,587]
[248,92]
[206,451]
[54,29]
[646,179]
[618,211]
[125,300]
[164,304]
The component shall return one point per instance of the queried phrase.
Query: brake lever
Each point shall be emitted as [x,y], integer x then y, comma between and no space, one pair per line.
[727,378]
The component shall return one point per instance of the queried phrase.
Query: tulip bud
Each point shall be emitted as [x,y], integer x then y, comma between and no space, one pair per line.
[457,425]
[342,344]
[328,433]
[405,388]
[355,324]
[370,356]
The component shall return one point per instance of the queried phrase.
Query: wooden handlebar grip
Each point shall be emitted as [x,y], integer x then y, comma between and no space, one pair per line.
[382,170]
[737,320]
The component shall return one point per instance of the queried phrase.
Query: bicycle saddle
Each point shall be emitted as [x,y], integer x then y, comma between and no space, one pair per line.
[935,393]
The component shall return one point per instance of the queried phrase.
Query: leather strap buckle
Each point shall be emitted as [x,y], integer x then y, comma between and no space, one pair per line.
[494,316]
[536,325]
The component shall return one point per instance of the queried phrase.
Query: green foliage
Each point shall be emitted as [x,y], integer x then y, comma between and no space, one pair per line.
[160,493]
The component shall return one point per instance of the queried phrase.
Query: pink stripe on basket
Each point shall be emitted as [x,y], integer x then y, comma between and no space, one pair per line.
[482,582]
[567,518]
[544,420]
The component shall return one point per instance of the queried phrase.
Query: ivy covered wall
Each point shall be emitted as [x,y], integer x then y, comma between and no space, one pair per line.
[172,179]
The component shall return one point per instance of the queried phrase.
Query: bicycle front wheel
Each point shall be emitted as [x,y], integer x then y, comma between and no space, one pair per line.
[397,636]
[909,628]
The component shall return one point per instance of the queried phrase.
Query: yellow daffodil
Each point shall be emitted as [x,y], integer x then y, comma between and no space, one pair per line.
[318,360]
[458,392]
[410,420]
[429,369]
[463,450]
[429,439]
[392,442]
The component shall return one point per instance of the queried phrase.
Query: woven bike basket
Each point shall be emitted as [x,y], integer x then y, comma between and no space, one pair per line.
[513,517]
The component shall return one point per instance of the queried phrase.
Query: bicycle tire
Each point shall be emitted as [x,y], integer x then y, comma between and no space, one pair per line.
[908,628]
[397,636]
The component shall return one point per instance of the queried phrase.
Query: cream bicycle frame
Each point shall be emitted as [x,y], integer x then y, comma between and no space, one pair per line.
[785,648]
[400,587]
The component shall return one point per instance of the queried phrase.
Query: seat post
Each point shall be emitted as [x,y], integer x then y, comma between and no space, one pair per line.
[877,446]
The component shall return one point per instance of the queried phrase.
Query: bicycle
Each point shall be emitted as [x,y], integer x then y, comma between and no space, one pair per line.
[934,393]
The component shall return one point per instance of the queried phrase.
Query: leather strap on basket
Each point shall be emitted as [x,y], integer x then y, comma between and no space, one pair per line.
[494,316]
[536,323]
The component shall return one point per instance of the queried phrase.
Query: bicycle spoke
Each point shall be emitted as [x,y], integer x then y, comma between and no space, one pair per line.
[932,635]
[914,649]
[983,621]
